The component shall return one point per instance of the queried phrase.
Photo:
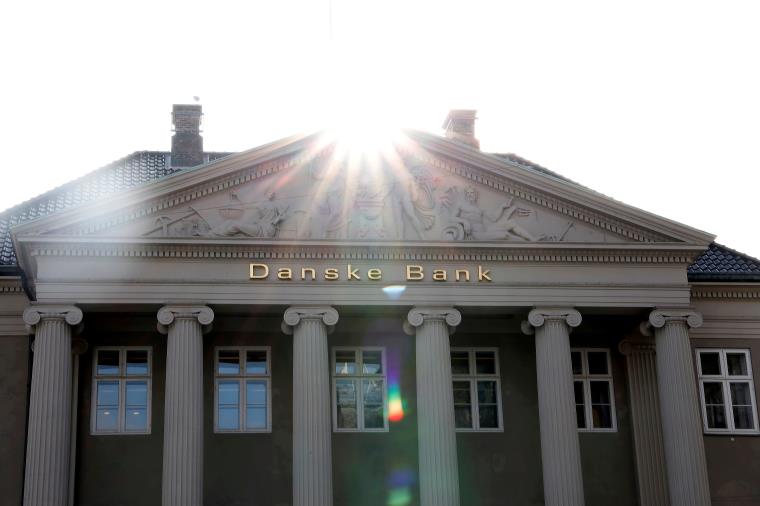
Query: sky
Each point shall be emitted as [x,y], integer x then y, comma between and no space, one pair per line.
[653,103]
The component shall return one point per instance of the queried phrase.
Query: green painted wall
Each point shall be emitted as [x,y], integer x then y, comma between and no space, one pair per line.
[14,381]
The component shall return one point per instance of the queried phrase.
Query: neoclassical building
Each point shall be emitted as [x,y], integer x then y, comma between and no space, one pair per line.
[429,324]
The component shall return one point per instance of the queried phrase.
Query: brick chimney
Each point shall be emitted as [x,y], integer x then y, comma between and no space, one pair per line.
[187,142]
[460,126]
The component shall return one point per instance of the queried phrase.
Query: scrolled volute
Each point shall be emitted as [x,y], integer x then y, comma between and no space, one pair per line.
[659,317]
[537,317]
[418,315]
[169,314]
[32,316]
[295,314]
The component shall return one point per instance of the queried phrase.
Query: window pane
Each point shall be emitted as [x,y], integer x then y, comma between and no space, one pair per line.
[488,418]
[710,362]
[136,420]
[256,362]
[228,418]
[107,419]
[743,418]
[137,394]
[256,417]
[713,392]
[716,417]
[372,362]
[373,416]
[578,390]
[737,364]
[256,393]
[460,362]
[373,391]
[229,393]
[229,362]
[602,416]
[485,362]
[487,392]
[463,417]
[462,392]
[740,394]
[597,362]
[345,362]
[580,416]
[577,361]
[108,362]
[345,396]
[137,362]
[600,392]
[108,393]
[580,410]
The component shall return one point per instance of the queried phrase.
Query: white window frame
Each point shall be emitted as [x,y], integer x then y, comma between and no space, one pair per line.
[242,377]
[473,377]
[358,377]
[122,379]
[587,378]
[725,381]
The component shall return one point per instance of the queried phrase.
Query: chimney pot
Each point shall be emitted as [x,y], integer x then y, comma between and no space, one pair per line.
[187,142]
[460,126]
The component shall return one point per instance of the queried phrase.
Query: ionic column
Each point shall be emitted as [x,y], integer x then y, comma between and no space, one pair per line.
[312,428]
[436,430]
[49,431]
[641,364]
[182,479]
[679,407]
[560,450]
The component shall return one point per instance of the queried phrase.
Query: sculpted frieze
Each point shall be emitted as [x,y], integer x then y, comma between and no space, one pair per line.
[369,200]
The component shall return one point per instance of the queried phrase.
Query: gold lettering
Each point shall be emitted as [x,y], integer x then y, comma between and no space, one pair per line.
[439,275]
[484,274]
[352,273]
[262,267]
[311,272]
[375,274]
[284,273]
[414,273]
[331,274]
[462,272]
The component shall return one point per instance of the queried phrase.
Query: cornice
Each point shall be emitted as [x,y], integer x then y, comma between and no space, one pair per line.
[731,291]
[11,285]
[388,251]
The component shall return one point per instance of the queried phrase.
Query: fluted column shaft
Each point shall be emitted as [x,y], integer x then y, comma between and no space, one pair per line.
[641,364]
[560,450]
[679,405]
[182,479]
[312,430]
[46,480]
[436,429]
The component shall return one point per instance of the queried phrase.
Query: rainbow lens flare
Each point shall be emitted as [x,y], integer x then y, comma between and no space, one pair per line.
[395,403]
[400,483]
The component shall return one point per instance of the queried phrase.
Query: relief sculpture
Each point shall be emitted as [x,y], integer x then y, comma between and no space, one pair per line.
[263,220]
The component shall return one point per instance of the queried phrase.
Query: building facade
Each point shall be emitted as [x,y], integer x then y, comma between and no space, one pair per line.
[432,325]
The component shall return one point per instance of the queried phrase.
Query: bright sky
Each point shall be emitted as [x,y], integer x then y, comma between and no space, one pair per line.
[655,102]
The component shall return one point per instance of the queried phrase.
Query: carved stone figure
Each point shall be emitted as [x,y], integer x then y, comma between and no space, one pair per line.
[369,205]
[264,222]
[467,221]
[415,202]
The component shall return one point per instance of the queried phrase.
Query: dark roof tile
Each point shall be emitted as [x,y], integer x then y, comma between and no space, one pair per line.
[720,263]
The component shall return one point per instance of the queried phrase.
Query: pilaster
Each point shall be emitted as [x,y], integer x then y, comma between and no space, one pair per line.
[439,473]
[560,450]
[312,429]
[49,428]
[679,405]
[182,479]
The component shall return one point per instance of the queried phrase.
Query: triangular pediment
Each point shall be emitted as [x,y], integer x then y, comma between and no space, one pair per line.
[429,189]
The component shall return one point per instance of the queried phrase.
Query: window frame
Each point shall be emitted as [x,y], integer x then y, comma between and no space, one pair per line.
[472,378]
[242,378]
[122,378]
[586,378]
[725,380]
[358,377]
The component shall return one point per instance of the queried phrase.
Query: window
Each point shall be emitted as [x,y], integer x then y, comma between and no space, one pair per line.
[727,391]
[359,390]
[242,388]
[121,391]
[592,384]
[477,389]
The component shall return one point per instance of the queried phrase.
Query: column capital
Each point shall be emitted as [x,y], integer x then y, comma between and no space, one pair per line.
[168,314]
[418,315]
[295,314]
[659,317]
[35,314]
[538,316]
[636,347]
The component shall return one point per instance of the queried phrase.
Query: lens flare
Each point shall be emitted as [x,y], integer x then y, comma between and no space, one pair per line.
[394,291]
[395,403]
[399,483]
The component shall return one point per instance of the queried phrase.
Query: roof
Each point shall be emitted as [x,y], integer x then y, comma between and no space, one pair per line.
[718,263]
